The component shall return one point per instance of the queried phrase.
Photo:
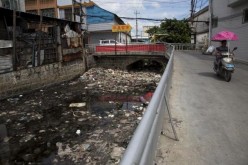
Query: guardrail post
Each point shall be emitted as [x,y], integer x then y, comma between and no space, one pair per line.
[170,118]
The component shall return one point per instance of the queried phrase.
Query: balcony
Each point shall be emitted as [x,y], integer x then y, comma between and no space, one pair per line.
[235,3]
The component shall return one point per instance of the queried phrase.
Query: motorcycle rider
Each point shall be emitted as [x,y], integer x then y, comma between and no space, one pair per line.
[219,50]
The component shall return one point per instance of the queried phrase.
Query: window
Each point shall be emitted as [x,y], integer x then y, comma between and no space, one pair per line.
[48,12]
[215,22]
[112,41]
[68,13]
[245,16]
[105,42]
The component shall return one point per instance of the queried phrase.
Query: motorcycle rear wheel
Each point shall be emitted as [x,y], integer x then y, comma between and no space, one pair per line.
[228,76]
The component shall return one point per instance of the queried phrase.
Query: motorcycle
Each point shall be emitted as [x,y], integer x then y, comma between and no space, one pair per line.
[225,66]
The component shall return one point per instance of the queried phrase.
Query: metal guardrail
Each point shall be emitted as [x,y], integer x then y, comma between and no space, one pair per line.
[142,147]
[188,46]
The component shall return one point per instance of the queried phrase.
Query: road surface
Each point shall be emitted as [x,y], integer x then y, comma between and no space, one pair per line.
[210,115]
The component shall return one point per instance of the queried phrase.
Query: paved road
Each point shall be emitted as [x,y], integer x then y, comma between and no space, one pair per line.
[211,115]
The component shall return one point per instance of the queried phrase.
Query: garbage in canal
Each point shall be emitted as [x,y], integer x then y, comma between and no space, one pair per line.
[119,81]
[78,105]
[111,116]
[89,120]
[117,153]
[78,132]
[13,100]
[142,99]
[148,96]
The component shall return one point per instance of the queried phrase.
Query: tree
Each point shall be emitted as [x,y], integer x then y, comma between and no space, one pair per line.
[172,31]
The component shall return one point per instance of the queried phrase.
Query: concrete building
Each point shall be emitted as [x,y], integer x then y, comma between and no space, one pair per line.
[46,7]
[65,12]
[232,15]
[144,36]
[9,4]
[144,33]
[200,30]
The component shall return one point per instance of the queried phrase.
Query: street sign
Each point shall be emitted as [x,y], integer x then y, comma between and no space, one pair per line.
[121,28]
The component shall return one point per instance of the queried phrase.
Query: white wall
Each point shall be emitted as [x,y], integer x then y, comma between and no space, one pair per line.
[231,19]
[202,38]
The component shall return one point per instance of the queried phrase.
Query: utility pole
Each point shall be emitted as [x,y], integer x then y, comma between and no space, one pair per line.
[81,14]
[39,41]
[192,19]
[210,21]
[14,38]
[192,11]
[73,11]
[136,14]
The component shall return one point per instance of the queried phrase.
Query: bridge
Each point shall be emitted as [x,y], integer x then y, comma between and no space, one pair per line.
[126,56]
[210,116]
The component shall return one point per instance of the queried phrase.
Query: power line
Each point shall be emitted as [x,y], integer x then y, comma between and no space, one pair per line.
[139,18]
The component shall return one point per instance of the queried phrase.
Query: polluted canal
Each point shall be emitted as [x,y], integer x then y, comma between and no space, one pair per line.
[89,120]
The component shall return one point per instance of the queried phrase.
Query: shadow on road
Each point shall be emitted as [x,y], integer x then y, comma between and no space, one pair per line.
[211,75]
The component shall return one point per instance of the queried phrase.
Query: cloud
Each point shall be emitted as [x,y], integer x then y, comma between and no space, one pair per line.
[158,9]
[155,4]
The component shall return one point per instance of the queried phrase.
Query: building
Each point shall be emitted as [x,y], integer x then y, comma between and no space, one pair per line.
[98,22]
[232,15]
[144,33]
[144,36]
[35,56]
[65,12]
[46,7]
[9,4]
[200,30]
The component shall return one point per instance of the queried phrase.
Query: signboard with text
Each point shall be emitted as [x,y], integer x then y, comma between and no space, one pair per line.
[121,28]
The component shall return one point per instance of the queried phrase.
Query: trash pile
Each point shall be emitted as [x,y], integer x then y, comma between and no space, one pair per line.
[118,81]
[89,120]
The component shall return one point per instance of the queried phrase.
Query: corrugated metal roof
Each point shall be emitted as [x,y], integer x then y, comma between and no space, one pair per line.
[30,16]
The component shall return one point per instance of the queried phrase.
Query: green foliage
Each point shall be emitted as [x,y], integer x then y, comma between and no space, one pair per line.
[172,31]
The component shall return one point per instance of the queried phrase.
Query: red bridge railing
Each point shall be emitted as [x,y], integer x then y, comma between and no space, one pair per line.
[132,48]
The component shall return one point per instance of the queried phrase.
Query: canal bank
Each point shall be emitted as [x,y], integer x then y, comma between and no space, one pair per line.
[84,121]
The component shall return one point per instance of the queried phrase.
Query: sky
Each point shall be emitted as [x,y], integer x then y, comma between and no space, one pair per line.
[155,9]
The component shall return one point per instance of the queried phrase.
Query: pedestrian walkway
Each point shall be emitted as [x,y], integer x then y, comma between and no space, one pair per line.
[210,115]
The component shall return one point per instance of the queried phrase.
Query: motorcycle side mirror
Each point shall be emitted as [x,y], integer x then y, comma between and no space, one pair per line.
[235,48]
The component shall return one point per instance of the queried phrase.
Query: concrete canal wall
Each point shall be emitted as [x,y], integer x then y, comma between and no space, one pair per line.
[26,80]
[14,83]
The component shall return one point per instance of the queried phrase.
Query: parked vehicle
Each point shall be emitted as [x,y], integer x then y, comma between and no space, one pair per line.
[225,67]
[110,42]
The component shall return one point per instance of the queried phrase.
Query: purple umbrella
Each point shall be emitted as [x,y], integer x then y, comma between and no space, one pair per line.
[225,35]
